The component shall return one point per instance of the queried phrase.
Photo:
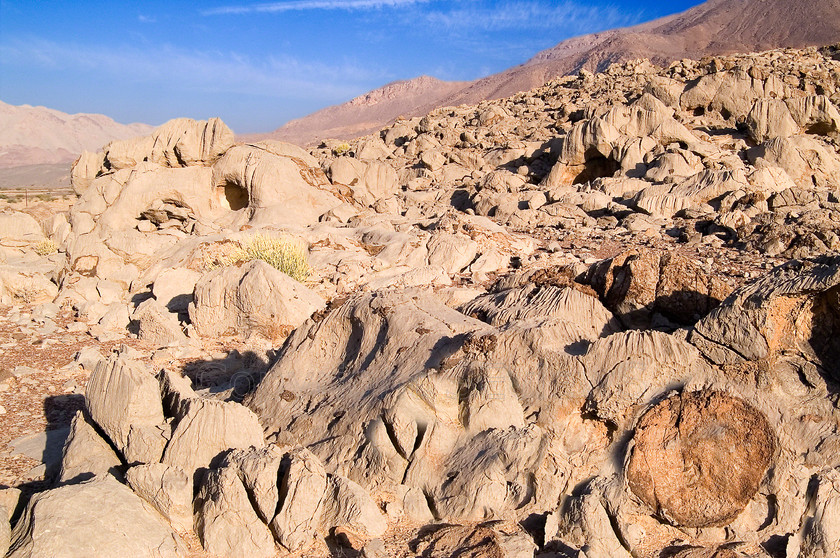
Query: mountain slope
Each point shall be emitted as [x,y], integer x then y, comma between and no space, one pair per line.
[715,27]
[367,113]
[38,135]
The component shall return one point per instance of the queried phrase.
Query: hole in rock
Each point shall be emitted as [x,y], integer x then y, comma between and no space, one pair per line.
[232,196]
[596,166]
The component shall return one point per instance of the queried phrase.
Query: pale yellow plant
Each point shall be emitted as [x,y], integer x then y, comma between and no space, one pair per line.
[283,254]
[46,247]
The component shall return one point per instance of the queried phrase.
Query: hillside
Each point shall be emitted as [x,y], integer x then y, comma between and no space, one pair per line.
[366,113]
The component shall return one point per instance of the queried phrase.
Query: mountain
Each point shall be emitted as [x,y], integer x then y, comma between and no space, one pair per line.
[38,136]
[712,28]
[367,113]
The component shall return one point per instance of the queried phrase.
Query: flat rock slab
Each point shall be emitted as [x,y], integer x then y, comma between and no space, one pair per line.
[45,447]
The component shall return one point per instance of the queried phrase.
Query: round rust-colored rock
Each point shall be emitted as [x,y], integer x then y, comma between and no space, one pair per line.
[699,458]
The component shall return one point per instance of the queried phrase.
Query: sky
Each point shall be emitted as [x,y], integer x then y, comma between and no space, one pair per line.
[259,64]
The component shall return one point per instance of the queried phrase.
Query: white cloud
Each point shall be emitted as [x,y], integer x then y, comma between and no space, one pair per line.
[303,5]
[146,19]
[567,16]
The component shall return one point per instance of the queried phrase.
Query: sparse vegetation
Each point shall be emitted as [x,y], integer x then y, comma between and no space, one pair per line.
[46,247]
[341,149]
[283,254]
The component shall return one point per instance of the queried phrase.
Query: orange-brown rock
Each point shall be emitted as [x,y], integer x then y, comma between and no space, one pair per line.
[699,458]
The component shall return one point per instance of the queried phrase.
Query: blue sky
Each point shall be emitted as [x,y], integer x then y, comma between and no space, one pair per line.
[259,64]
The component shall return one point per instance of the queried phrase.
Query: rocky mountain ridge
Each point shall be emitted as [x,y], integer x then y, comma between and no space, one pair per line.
[597,319]
[712,28]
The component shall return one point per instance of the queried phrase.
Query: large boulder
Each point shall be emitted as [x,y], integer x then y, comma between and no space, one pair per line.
[16,225]
[100,517]
[227,522]
[248,299]
[369,181]
[85,453]
[205,430]
[698,458]
[123,398]
[285,186]
[24,285]
[639,283]
[168,489]
[788,315]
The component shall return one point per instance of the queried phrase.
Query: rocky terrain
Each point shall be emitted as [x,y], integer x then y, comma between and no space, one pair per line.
[597,319]
[715,27]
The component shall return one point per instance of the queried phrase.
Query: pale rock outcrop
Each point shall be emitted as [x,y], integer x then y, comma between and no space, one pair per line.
[248,299]
[85,169]
[771,118]
[821,529]
[100,517]
[638,283]
[225,520]
[731,93]
[19,226]
[531,301]
[85,453]
[815,114]
[631,369]
[23,285]
[181,142]
[806,159]
[206,429]
[347,505]
[123,398]
[666,200]
[369,181]
[156,325]
[259,470]
[284,187]
[168,489]
[173,288]
[792,309]
[304,486]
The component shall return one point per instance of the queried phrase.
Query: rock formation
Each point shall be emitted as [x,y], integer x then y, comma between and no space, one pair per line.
[598,319]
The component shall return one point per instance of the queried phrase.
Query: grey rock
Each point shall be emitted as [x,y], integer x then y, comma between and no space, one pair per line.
[206,429]
[304,486]
[349,506]
[157,325]
[123,398]
[225,520]
[168,489]
[100,517]
[86,454]
[253,298]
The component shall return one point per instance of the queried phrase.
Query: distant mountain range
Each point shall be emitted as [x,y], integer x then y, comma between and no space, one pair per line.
[39,143]
[714,27]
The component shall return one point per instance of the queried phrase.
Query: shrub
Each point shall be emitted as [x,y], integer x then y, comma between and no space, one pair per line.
[283,254]
[341,149]
[46,247]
